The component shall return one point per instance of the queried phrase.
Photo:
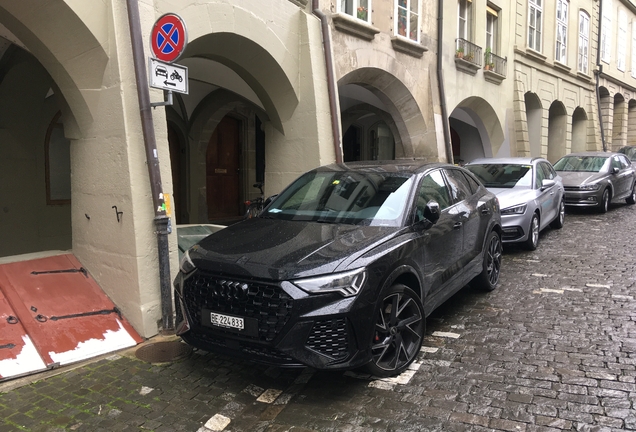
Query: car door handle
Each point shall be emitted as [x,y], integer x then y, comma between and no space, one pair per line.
[457,225]
[485,211]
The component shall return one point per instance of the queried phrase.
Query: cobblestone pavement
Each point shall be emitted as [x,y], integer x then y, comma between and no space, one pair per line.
[552,348]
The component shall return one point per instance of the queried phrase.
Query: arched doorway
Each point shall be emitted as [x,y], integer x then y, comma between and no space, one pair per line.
[475,130]
[619,124]
[534,119]
[369,98]
[557,129]
[579,130]
[222,165]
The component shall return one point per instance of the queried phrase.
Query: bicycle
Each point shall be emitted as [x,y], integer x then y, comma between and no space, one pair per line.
[255,207]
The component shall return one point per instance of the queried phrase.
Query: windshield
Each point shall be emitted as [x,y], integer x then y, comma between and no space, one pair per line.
[503,175]
[344,197]
[580,163]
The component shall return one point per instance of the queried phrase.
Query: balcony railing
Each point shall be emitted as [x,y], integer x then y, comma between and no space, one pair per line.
[468,51]
[495,63]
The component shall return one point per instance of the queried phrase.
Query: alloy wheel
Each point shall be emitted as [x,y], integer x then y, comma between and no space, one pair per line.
[493,260]
[398,332]
[533,234]
[605,201]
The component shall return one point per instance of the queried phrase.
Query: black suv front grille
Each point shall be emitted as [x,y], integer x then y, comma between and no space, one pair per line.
[270,305]
[329,337]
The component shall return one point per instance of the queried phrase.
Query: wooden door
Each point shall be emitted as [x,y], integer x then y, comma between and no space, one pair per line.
[222,170]
[175,163]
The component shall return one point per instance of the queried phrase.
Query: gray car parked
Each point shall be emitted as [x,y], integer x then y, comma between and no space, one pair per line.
[595,179]
[530,195]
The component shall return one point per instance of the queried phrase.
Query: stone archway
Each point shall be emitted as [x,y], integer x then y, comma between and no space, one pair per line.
[534,115]
[631,122]
[475,129]
[388,98]
[579,130]
[557,131]
[619,123]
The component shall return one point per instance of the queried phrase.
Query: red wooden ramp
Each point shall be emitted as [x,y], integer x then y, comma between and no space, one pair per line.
[52,313]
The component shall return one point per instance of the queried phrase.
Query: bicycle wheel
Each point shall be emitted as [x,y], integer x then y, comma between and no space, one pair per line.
[252,211]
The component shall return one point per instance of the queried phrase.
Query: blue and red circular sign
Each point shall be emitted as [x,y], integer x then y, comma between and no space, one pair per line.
[168,38]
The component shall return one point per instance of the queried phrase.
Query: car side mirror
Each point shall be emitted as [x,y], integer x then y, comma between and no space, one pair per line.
[432,211]
[615,170]
[547,184]
[269,200]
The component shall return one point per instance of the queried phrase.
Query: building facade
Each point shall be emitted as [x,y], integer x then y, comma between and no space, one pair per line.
[276,88]
[617,72]
[74,175]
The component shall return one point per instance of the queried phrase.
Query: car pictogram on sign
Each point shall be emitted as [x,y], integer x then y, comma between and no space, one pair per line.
[161,71]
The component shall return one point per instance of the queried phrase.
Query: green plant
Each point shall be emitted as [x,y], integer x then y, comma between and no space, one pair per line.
[489,63]
[460,52]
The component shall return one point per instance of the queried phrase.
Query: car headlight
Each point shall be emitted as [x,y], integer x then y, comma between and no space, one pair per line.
[518,209]
[590,187]
[347,284]
[186,265]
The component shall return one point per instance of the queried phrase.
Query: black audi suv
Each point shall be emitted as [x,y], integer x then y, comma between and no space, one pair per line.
[342,268]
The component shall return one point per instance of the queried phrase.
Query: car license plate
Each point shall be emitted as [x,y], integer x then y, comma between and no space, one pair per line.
[221,320]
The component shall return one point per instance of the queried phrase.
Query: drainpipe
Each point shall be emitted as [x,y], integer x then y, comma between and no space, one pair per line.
[331,87]
[440,79]
[597,73]
[162,221]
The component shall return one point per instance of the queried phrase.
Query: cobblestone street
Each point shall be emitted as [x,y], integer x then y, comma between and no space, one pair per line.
[552,348]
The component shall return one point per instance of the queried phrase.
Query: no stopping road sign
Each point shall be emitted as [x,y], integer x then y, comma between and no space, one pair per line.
[168,38]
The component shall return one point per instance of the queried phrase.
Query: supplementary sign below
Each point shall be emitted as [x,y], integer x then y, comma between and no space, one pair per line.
[168,76]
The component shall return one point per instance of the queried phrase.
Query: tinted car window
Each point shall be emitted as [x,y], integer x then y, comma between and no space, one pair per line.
[502,175]
[344,197]
[629,151]
[474,184]
[433,188]
[548,172]
[616,163]
[460,189]
[580,163]
[539,176]
[624,161]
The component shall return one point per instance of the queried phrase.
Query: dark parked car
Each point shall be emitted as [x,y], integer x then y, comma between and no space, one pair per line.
[530,194]
[594,179]
[341,269]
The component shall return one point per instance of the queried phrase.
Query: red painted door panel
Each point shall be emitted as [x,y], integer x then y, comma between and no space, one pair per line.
[63,311]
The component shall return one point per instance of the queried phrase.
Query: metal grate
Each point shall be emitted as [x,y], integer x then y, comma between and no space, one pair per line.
[163,352]
[269,304]
[329,338]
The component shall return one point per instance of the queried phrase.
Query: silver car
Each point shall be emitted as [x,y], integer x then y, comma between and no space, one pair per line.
[530,194]
[595,179]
